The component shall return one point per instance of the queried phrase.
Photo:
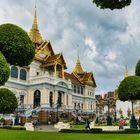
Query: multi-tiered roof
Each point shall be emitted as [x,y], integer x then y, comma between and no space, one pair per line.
[56,62]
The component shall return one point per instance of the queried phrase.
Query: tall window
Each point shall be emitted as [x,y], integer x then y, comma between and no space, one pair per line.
[14,72]
[37,98]
[23,74]
[51,99]
[74,88]
[78,89]
[21,99]
[78,105]
[82,106]
[82,90]
[74,105]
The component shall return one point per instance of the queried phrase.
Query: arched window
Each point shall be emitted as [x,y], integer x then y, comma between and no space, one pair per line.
[23,74]
[14,72]
[37,98]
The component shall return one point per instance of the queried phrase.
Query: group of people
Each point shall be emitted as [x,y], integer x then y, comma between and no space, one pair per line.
[121,124]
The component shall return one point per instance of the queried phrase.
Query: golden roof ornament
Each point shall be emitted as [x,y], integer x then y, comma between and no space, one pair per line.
[34,33]
[126,72]
[78,68]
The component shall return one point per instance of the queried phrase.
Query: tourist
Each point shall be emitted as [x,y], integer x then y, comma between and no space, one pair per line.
[121,123]
[87,124]
[35,123]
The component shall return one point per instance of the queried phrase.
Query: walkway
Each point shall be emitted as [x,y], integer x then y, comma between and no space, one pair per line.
[50,128]
[46,128]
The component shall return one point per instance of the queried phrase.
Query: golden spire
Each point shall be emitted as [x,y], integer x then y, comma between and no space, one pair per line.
[78,68]
[34,34]
[126,72]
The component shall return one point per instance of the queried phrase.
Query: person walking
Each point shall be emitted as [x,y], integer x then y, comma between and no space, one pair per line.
[87,124]
[121,124]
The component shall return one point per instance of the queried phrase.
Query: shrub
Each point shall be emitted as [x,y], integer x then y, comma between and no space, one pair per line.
[2,120]
[8,101]
[99,130]
[18,127]
[14,127]
[132,131]
[16,45]
[95,130]
[4,70]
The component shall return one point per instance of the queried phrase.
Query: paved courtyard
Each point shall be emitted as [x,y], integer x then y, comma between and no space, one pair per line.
[47,128]
[50,128]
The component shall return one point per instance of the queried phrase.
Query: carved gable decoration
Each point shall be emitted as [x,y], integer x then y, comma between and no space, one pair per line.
[44,51]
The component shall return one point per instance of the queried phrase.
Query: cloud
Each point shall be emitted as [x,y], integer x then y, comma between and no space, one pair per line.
[91,50]
[107,40]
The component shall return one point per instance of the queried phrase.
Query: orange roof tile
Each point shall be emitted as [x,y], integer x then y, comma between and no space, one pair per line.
[68,76]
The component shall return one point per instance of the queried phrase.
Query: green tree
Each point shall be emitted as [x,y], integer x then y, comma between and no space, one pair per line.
[16,45]
[137,69]
[4,70]
[112,4]
[129,89]
[8,101]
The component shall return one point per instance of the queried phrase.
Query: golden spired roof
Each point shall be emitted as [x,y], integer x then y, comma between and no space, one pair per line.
[78,68]
[126,72]
[34,34]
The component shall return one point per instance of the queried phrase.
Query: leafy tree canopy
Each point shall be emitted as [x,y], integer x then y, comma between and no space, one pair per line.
[129,89]
[112,4]
[8,101]
[137,69]
[16,45]
[4,70]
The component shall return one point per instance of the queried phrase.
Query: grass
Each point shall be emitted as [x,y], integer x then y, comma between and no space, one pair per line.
[26,135]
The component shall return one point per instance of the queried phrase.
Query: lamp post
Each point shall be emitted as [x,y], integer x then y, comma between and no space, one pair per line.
[109,103]
[57,112]
[133,121]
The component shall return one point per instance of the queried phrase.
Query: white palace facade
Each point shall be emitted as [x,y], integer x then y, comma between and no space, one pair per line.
[41,85]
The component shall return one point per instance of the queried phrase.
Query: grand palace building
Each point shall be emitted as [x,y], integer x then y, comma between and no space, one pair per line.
[44,86]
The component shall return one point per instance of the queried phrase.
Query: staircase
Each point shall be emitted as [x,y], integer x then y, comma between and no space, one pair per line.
[74,114]
[30,111]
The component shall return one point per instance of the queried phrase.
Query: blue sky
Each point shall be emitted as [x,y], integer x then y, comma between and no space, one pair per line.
[106,40]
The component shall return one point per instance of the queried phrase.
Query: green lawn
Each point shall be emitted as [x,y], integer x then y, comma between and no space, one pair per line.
[26,135]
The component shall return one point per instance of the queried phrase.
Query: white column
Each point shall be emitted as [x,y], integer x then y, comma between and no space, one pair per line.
[44,96]
[30,97]
[55,97]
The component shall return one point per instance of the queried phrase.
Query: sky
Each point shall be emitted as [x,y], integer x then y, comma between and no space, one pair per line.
[106,40]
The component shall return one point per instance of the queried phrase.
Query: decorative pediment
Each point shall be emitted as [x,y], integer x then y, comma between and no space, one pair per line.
[44,51]
[57,59]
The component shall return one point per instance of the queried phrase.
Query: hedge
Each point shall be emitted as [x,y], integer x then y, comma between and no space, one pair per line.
[93,130]
[100,131]
[13,127]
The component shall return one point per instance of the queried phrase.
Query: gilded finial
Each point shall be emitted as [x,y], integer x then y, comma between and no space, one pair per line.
[34,33]
[126,72]
[78,68]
